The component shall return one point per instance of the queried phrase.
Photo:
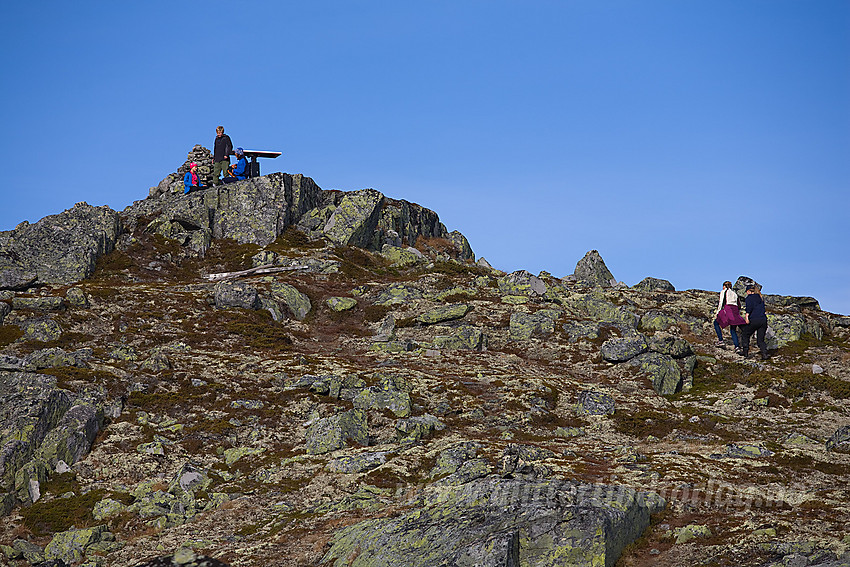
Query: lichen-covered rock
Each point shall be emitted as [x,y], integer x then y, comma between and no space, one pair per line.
[399,257]
[655,320]
[494,521]
[331,433]
[5,309]
[444,313]
[621,349]
[595,307]
[107,508]
[43,330]
[385,395]
[236,294]
[32,407]
[840,440]
[671,345]
[592,269]
[692,531]
[464,337]
[594,403]
[60,248]
[16,278]
[787,328]
[76,297]
[70,546]
[350,464]
[462,245]
[664,373]
[297,303]
[48,303]
[236,453]
[341,303]
[417,428]
[649,284]
[56,358]
[397,294]
[355,219]
[521,282]
[581,330]
[450,460]
[541,324]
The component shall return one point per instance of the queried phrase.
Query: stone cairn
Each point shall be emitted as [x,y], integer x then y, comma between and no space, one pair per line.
[203,157]
[173,182]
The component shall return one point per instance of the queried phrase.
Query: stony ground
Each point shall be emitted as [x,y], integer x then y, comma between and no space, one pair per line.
[740,458]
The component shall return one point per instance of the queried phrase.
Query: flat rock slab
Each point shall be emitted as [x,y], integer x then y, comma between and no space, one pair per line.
[496,521]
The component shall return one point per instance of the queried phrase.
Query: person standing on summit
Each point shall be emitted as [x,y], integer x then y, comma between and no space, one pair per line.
[221,154]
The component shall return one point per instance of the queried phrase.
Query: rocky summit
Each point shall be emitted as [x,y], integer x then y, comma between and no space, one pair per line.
[268,373]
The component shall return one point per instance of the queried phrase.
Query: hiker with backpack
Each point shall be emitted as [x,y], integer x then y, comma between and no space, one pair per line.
[728,315]
[191,181]
[756,319]
[240,170]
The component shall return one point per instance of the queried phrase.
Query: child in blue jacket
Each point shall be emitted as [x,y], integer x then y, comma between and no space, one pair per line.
[191,181]
[240,170]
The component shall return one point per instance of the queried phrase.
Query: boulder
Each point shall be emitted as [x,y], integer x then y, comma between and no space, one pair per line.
[14,277]
[61,248]
[444,313]
[494,521]
[355,219]
[43,330]
[670,345]
[332,433]
[417,428]
[341,303]
[297,303]
[464,337]
[397,294]
[5,309]
[350,464]
[664,373]
[384,396]
[653,284]
[840,440]
[521,282]
[462,245]
[399,257]
[70,546]
[594,403]
[595,307]
[236,294]
[789,327]
[592,269]
[621,349]
[541,324]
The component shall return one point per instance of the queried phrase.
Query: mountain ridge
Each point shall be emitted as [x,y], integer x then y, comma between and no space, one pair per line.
[380,397]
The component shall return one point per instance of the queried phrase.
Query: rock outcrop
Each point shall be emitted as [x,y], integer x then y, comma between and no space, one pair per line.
[496,522]
[59,248]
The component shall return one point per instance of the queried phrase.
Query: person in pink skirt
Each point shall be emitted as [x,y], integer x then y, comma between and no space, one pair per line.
[728,315]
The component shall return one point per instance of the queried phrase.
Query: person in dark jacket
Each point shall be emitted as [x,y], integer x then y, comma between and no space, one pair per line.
[191,181]
[221,154]
[240,170]
[756,319]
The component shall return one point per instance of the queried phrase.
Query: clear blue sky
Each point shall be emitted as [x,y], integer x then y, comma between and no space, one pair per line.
[694,141]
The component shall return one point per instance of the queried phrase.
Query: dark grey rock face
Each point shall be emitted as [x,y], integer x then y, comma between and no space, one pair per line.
[494,521]
[621,349]
[60,248]
[236,294]
[840,440]
[592,269]
[654,284]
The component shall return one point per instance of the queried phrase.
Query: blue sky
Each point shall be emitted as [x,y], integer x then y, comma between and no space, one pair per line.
[693,141]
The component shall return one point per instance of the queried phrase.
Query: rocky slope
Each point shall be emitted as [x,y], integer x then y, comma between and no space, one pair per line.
[364,393]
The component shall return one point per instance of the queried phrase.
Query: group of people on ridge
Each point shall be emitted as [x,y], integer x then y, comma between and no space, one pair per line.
[222,150]
[752,321]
